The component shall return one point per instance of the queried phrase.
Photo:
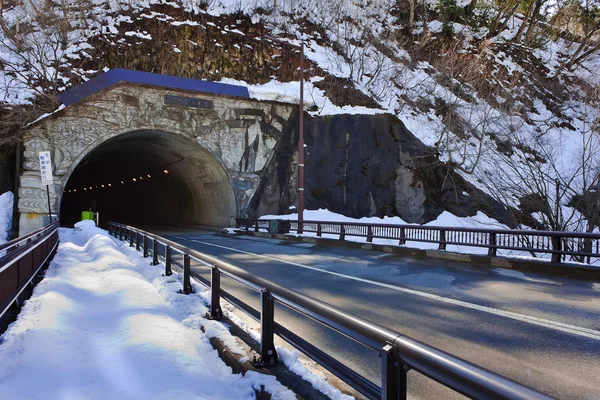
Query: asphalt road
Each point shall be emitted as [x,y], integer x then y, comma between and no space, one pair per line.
[541,331]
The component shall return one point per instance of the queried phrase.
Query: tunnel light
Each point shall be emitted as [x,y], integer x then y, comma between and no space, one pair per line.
[135,180]
[149,176]
[102,185]
[166,171]
[84,189]
[122,183]
[109,185]
[91,188]
[96,186]
[141,178]
[74,190]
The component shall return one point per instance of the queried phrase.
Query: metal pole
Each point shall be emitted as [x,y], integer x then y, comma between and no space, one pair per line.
[154,252]
[215,294]
[49,209]
[301,146]
[187,284]
[145,246]
[268,353]
[168,271]
[393,375]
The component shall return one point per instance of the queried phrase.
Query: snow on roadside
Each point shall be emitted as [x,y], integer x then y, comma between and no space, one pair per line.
[6,211]
[105,324]
[478,221]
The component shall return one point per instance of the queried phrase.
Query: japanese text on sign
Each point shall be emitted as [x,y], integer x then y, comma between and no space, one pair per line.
[46,168]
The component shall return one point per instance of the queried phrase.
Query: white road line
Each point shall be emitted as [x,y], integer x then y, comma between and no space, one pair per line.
[559,326]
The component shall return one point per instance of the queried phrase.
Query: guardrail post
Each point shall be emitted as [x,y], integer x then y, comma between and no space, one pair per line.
[121,232]
[492,250]
[402,240]
[268,354]
[393,375]
[369,234]
[342,232]
[587,248]
[442,245]
[557,247]
[154,252]
[168,271]
[130,238]
[187,284]
[137,241]
[319,230]
[256,226]
[145,244]
[215,294]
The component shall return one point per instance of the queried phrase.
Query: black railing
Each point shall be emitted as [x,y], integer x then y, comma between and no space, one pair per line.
[581,247]
[20,261]
[399,353]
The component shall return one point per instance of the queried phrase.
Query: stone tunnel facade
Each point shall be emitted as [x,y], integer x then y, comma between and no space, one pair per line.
[241,134]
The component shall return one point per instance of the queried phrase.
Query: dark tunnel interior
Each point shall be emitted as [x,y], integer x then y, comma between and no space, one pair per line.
[150,178]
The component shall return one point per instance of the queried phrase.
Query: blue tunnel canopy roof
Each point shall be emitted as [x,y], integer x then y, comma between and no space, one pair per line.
[116,75]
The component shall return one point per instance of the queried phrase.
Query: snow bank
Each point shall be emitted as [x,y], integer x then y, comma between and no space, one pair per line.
[6,211]
[106,324]
[478,221]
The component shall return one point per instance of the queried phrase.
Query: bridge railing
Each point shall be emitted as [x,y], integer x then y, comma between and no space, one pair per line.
[580,247]
[20,261]
[399,353]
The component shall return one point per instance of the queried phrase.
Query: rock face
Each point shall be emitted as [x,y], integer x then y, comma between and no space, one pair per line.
[366,165]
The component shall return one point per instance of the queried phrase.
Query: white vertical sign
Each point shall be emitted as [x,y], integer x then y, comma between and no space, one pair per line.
[46,168]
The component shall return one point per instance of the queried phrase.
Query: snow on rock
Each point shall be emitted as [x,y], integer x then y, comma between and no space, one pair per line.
[289,92]
[6,213]
[105,324]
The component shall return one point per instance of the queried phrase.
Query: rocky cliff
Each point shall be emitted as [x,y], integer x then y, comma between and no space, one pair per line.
[367,165]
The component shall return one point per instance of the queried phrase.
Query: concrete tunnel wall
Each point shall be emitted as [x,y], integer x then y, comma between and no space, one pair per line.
[219,147]
[196,190]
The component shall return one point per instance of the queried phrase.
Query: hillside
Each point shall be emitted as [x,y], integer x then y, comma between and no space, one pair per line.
[514,112]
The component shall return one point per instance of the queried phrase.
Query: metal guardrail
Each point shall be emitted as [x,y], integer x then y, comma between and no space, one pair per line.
[20,261]
[581,247]
[399,353]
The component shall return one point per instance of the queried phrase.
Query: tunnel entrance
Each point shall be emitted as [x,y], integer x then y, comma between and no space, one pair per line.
[150,178]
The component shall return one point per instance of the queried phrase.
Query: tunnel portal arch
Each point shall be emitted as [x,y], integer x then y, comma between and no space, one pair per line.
[149,177]
[223,145]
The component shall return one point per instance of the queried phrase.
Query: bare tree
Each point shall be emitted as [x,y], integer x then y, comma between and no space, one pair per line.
[33,53]
[584,19]
[551,187]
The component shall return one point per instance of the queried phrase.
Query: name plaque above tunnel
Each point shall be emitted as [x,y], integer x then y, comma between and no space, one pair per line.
[182,101]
